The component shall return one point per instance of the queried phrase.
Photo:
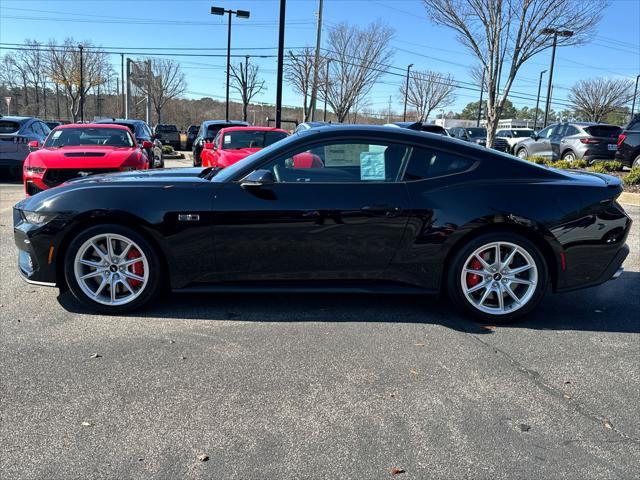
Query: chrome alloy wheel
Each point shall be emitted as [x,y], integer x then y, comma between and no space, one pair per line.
[499,278]
[111,269]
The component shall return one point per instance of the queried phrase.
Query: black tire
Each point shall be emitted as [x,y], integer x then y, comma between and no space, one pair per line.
[150,290]
[454,273]
[569,156]
[636,162]
[522,151]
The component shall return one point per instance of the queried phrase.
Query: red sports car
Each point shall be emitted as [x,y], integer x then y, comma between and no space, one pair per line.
[235,143]
[76,150]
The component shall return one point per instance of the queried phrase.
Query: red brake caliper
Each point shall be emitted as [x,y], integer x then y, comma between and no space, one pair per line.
[135,268]
[472,278]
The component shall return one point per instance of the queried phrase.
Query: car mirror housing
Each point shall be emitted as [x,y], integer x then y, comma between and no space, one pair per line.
[209,146]
[146,144]
[258,178]
[34,145]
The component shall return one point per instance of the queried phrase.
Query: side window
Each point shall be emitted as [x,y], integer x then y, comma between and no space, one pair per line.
[45,128]
[425,163]
[570,130]
[216,141]
[546,133]
[341,163]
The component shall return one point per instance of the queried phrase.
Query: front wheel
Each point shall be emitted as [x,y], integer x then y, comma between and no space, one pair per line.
[498,277]
[522,153]
[636,162]
[112,269]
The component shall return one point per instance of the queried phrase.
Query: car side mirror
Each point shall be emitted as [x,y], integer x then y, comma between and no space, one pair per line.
[257,179]
[146,144]
[34,145]
[209,146]
[535,136]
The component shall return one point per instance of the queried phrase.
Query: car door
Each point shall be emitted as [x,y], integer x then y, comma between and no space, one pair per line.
[542,145]
[554,141]
[342,219]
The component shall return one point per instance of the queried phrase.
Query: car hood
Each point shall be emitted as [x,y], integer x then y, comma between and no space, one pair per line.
[81,157]
[233,156]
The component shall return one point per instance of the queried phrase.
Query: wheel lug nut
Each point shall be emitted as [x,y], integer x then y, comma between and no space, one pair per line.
[495,284]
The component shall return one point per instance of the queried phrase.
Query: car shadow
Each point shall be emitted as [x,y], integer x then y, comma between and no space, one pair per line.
[611,307]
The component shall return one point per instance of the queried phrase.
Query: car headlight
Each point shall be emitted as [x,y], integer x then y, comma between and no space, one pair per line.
[37,218]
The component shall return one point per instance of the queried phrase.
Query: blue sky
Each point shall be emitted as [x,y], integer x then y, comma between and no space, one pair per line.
[614,51]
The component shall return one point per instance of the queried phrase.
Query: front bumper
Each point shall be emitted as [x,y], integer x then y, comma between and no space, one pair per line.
[36,251]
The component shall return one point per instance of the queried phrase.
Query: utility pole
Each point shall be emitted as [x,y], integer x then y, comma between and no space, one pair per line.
[127,107]
[148,62]
[314,86]
[57,102]
[389,111]
[326,92]
[283,5]
[44,95]
[406,94]
[555,32]
[245,88]
[535,117]
[481,92]
[124,100]
[635,94]
[81,86]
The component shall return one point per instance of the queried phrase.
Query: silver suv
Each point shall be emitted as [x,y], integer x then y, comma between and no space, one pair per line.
[572,141]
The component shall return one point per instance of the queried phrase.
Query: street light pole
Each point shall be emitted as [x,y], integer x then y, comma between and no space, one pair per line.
[283,5]
[81,86]
[239,14]
[555,32]
[314,86]
[406,93]
[535,118]
[635,94]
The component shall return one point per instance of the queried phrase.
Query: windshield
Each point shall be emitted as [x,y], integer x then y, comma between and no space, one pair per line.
[7,126]
[476,132]
[250,139]
[166,128]
[253,159]
[522,133]
[75,137]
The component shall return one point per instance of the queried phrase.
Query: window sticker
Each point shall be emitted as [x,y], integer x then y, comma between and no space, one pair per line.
[372,166]
[56,134]
[227,139]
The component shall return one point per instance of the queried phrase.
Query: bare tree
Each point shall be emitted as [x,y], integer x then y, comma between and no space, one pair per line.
[428,91]
[299,73]
[63,67]
[359,57]
[245,81]
[596,98]
[504,34]
[163,81]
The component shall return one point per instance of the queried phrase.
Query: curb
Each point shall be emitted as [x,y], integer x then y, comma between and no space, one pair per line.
[629,198]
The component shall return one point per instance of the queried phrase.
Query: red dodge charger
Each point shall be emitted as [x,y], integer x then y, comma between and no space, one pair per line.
[235,143]
[76,150]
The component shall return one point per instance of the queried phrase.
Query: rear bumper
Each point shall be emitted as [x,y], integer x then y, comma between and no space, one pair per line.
[623,159]
[611,271]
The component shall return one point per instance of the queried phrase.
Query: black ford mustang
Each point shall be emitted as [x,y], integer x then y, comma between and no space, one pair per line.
[332,209]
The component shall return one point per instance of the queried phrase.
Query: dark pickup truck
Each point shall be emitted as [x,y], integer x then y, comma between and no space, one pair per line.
[628,152]
[168,135]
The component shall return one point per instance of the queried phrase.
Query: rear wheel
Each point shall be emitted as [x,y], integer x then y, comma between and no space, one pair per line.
[636,162]
[498,277]
[112,269]
[569,156]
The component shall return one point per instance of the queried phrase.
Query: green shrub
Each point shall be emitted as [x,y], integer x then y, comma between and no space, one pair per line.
[537,159]
[633,177]
[598,168]
[563,164]
[582,163]
[167,149]
[612,166]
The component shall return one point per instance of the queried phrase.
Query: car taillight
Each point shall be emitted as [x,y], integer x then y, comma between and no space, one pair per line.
[621,138]
[589,141]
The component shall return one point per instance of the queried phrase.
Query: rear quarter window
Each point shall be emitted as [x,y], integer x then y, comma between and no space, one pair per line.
[425,163]
[8,126]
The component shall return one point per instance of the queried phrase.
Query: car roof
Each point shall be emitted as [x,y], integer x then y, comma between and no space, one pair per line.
[129,121]
[114,126]
[16,118]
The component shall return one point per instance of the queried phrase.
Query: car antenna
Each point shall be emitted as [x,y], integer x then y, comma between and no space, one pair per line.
[415,126]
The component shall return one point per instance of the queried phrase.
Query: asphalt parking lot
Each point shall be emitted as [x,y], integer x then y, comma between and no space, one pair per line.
[317,386]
